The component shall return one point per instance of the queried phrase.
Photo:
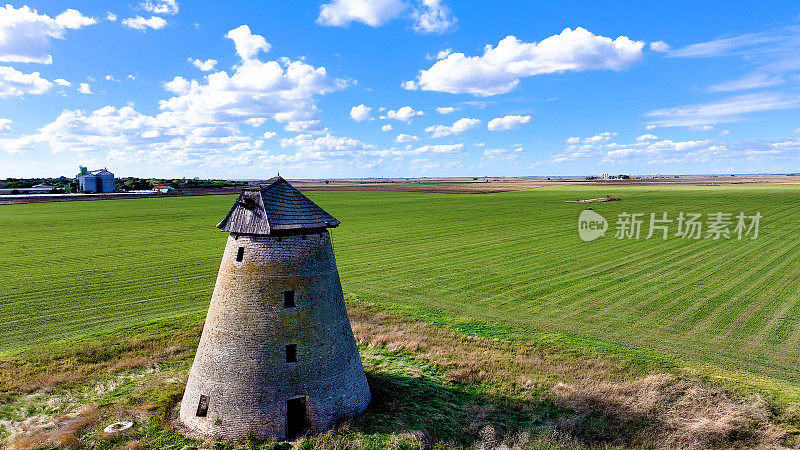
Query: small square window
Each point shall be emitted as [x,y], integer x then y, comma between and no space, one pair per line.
[240,254]
[291,353]
[288,299]
[202,406]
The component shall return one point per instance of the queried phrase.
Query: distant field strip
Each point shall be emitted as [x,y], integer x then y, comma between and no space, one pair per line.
[512,257]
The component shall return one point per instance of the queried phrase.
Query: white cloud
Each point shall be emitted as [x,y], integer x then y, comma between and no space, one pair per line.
[72,19]
[110,78]
[5,125]
[406,113]
[62,82]
[749,81]
[303,125]
[247,44]
[442,54]
[387,127]
[198,126]
[178,85]
[270,134]
[360,113]
[131,77]
[499,69]
[508,122]
[732,109]
[84,88]
[142,24]
[646,137]
[719,47]
[111,16]
[445,109]
[205,66]
[438,149]
[160,6]
[503,153]
[650,150]
[25,34]
[458,127]
[14,83]
[659,46]
[370,12]
[405,138]
[600,137]
[432,16]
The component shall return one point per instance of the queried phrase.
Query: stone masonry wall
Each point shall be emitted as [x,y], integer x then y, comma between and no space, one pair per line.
[241,361]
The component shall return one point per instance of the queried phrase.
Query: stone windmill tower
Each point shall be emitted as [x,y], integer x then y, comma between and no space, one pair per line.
[277,357]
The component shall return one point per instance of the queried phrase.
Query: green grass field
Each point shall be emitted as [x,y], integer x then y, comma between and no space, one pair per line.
[508,265]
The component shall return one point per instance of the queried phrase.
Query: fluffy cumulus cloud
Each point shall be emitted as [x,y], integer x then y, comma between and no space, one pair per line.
[428,16]
[360,113]
[458,127]
[206,66]
[508,122]
[25,34]
[14,83]
[731,109]
[406,114]
[200,124]
[387,127]
[445,109]
[370,12]
[247,44]
[84,88]
[5,125]
[433,16]
[160,6]
[141,24]
[500,68]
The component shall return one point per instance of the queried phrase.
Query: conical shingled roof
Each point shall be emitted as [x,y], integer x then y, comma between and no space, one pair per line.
[275,206]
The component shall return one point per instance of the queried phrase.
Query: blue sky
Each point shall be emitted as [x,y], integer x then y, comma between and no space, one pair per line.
[386,88]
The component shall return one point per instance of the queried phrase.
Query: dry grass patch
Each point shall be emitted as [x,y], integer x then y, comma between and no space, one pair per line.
[61,431]
[611,405]
[669,412]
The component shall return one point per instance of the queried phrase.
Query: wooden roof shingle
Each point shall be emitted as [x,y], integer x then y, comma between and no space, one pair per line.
[274,206]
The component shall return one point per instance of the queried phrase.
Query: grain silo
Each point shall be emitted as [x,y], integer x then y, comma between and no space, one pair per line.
[100,181]
[105,180]
[277,358]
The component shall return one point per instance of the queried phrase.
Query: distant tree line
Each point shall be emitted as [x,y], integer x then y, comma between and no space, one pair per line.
[121,184]
[13,183]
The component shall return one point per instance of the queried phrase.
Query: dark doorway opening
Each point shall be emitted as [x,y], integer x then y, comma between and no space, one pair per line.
[296,418]
[288,299]
[291,353]
[202,406]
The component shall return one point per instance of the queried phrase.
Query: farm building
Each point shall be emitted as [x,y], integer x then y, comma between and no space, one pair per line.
[277,358]
[163,189]
[38,189]
[100,181]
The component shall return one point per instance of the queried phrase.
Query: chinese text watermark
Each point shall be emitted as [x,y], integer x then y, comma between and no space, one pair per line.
[715,226]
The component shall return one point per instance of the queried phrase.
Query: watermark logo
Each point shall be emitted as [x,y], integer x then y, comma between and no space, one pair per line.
[635,226]
[591,225]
